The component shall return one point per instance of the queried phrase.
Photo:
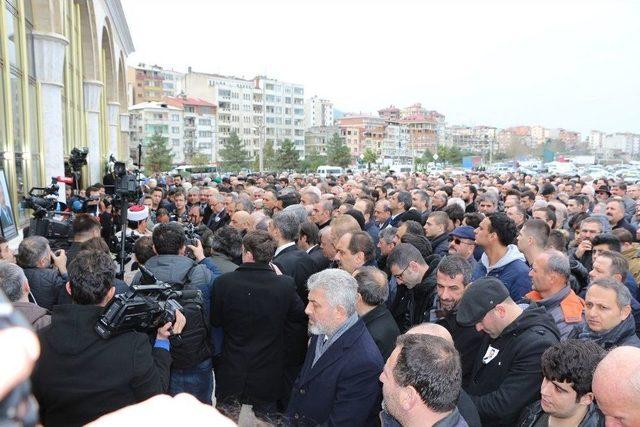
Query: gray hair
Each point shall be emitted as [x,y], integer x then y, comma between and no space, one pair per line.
[558,263]
[31,250]
[372,285]
[453,265]
[387,234]
[604,222]
[247,204]
[298,210]
[12,280]
[487,198]
[340,287]
[194,190]
[288,224]
[623,295]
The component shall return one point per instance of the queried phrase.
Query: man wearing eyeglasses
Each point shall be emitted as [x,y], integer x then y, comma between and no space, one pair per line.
[416,286]
[462,241]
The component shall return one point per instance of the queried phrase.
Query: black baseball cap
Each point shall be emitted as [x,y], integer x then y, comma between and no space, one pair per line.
[479,298]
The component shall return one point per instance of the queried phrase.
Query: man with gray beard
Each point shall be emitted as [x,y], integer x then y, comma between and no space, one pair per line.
[338,383]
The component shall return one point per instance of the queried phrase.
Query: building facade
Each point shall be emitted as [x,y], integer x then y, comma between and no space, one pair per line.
[199,127]
[258,110]
[156,118]
[63,82]
[362,132]
[318,112]
[317,138]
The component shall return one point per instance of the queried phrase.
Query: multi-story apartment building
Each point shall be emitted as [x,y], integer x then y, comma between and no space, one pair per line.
[199,126]
[146,83]
[362,132]
[476,139]
[621,143]
[150,118]
[258,110]
[172,82]
[395,147]
[317,138]
[390,113]
[538,135]
[596,139]
[318,112]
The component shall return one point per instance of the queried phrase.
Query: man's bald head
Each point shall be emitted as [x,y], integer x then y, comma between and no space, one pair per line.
[241,220]
[432,329]
[616,386]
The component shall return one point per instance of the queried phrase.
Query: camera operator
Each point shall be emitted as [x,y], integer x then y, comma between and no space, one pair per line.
[45,270]
[91,204]
[192,366]
[81,376]
[85,227]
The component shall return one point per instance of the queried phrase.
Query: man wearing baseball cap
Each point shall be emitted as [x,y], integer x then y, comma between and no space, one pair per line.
[506,375]
[462,241]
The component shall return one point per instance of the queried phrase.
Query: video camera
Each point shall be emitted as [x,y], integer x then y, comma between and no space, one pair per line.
[144,308]
[43,201]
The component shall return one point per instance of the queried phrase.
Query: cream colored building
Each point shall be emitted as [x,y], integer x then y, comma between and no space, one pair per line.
[62,85]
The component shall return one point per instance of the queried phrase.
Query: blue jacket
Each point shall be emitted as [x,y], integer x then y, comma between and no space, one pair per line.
[342,388]
[511,269]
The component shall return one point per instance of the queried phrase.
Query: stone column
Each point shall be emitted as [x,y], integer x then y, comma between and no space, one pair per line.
[92,90]
[125,149]
[113,108]
[49,50]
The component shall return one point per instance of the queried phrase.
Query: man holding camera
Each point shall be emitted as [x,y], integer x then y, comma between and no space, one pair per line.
[191,371]
[81,376]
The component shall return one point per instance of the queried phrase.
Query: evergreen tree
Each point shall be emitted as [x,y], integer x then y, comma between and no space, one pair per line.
[312,160]
[158,155]
[233,155]
[369,157]
[288,158]
[338,154]
[200,159]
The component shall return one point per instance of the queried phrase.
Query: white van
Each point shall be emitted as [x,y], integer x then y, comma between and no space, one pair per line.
[323,171]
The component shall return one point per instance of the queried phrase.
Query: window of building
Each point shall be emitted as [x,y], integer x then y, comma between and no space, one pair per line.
[175,117]
[189,110]
[204,122]
[205,134]
[175,129]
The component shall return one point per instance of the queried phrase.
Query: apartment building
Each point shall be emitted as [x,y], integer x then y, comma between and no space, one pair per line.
[258,110]
[318,112]
[150,118]
[362,132]
[146,83]
[317,138]
[199,126]
[476,139]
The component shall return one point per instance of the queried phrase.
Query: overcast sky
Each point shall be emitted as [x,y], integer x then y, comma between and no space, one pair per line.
[558,63]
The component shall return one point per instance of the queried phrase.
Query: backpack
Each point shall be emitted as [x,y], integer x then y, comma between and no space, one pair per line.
[193,345]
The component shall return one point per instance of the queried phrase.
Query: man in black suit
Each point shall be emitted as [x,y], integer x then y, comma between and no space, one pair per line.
[219,216]
[285,229]
[255,307]
[309,241]
[373,290]
[401,208]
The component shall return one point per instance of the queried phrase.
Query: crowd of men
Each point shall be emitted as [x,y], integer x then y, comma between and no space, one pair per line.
[355,300]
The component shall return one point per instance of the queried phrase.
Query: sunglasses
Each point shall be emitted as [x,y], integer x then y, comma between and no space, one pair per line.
[457,241]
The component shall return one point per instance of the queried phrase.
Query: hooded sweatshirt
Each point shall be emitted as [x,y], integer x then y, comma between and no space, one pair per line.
[511,269]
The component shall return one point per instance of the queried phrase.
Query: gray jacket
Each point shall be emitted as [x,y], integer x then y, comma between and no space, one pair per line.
[174,268]
[223,262]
